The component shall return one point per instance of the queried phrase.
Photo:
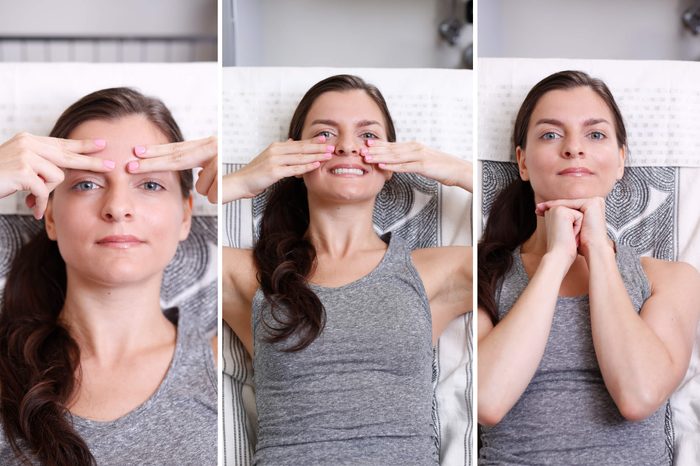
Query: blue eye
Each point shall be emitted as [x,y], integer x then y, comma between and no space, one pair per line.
[550,135]
[325,133]
[152,186]
[597,135]
[85,186]
[369,135]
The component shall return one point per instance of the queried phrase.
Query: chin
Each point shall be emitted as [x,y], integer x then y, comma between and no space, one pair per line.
[117,272]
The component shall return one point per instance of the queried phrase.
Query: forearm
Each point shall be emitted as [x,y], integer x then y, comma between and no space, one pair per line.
[635,364]
[511,352]
[233,188]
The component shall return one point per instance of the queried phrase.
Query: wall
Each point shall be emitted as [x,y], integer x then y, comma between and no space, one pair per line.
[632,29]
[359,33]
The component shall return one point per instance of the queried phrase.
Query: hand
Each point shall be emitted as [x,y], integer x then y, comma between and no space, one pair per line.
[563,227]
[413,157]
[34,163]
[178,156]
[593,231]
[279,160]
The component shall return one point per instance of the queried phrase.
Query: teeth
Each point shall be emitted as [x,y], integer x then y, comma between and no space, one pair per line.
[349,171]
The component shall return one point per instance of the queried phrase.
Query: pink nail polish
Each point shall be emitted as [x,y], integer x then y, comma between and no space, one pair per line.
[369,143]
[330,148]
[139,150]
[327,155]
[368,157]
[100,143]
[109,164]
[321,139]
[133,165]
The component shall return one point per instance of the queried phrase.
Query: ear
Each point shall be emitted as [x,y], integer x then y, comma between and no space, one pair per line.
[49,223]
[522,166]
[621,168]
[186,218]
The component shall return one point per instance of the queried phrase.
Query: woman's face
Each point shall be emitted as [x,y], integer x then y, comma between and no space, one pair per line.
[347,119]
[571,151]
[117,227]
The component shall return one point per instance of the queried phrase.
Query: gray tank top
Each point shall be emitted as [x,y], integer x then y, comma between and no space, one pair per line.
[566,415]
[361,393]
[176,425]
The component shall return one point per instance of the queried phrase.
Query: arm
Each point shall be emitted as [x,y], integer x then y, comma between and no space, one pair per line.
[643,357]
[510,352]
[447,277]
[238,288]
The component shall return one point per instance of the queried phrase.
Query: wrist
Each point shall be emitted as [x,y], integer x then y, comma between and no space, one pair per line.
[556,264]
[234,188]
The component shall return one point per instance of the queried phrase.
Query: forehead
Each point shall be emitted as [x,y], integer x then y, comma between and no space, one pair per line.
[579,103]
[350,105]
[121,134]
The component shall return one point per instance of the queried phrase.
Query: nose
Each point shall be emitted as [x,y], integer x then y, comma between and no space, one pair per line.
[572,148]
[347,144]
[118,205]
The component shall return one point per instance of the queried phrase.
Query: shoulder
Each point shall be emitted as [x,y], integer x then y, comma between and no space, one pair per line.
[669,274]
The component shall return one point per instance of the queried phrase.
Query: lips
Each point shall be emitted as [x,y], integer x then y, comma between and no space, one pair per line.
[575,171]
[120,241]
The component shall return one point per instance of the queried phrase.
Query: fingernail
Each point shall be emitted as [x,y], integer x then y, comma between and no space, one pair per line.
[109,164]
[327,155]
[364,151]
[370,142]
[133,165]
[100,143]
[321,139]
[368,157]
[139,150]
[330,148]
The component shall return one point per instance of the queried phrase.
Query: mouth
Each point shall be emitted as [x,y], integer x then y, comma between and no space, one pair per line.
[575,171]
[120,241]
[348,170]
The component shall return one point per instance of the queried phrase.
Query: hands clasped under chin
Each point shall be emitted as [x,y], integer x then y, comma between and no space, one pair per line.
[575,226]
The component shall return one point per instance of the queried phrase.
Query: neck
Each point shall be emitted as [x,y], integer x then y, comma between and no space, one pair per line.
[109,321]
[537,243]
[340,230]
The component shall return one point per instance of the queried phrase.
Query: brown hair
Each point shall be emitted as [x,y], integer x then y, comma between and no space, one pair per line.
[284,257]
[39,359]
[512,218]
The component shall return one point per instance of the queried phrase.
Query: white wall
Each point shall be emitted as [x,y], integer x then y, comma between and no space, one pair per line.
[632,29]
[358,33]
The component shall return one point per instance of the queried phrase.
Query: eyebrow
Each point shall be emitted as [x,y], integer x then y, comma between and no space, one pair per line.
[555,122]
[360,124]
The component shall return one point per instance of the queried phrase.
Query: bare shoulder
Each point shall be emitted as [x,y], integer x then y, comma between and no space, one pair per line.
[446,259]
[664,275]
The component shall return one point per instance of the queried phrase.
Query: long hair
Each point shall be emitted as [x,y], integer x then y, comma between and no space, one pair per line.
[284,257]
[512,218]
[39,359]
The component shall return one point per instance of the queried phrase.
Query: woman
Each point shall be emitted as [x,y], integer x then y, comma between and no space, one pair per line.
[93,372]
[339,321]
[581,342]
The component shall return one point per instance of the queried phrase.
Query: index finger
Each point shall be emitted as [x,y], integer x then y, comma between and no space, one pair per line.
[78,146]
[182,159]
[159,150]
[64,158]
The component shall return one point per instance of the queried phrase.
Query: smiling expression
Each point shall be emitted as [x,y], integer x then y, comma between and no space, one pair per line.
[347,119]
[571,151]
[118,227]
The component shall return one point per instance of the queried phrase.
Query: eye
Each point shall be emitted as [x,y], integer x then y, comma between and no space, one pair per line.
[369,135]
[85,185]
[151,185]
[325,133]
[597,135]
[549,136]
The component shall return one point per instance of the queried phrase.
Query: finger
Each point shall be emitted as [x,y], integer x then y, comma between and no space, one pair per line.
[159,150]
[301,169]
[77,146]
[45,169]
[66,159]
[408,167]
[206,178]
[36,186]
[190,157]
[303,159]
[576,204]
[304,147]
